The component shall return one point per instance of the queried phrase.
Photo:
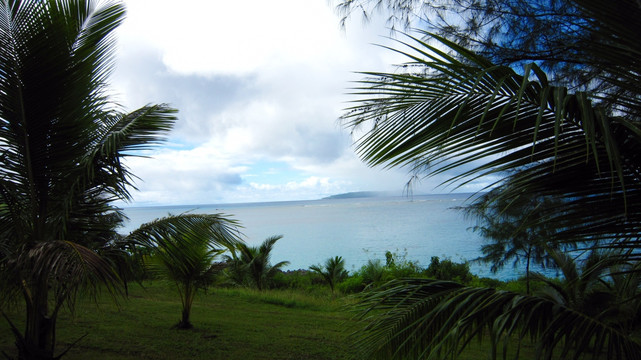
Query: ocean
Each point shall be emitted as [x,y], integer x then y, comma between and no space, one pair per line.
[357,229]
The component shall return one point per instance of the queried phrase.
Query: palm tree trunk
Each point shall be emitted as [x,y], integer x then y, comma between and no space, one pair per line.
[188,299]
[527,272]
[184,321]
[38,340]
[258,279]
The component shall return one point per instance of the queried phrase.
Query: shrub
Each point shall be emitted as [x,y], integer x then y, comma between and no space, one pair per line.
[447,269]
[373,272]
[487,282]
[351,285]
[296,279]
[520,285]
[399,267]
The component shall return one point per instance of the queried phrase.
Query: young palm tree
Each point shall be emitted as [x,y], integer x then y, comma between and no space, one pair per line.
[62,144]
[585,286]
[184,249]
[251,266]
[374,272]
[332,272]
[463,112]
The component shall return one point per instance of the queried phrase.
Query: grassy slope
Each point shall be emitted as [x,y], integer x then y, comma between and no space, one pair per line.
[229,324]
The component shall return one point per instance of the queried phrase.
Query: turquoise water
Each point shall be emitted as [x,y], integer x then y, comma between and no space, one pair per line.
[356,229]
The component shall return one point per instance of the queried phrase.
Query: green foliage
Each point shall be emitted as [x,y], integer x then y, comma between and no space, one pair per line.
[515,128]
[487,283]
[233,324]
[398,267]
[373,272]
[289,298]
[509,233]
[508,32]
[250,266]
[441,318]
[183,249]
[333,271]
[296,279]
[450,109]
[61,169]
[353,284]
[604,285]
[447,269]
[523,285]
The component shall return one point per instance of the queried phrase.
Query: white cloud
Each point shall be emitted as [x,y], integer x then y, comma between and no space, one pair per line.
[206,175]
[259,86]
[231,37]
[312,185]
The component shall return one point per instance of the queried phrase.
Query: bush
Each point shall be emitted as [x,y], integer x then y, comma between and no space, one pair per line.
[399,267]
[447,269]
[351,285]
[519,285]
[296,279]
[373,272]
[487,283]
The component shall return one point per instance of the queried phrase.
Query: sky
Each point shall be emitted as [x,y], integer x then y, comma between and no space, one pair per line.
[260,86]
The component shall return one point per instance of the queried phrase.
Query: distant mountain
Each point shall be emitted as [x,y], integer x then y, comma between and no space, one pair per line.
[358,194]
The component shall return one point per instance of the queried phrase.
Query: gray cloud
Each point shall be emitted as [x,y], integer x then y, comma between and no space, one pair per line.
[249,98]
[142,78]
[229,179]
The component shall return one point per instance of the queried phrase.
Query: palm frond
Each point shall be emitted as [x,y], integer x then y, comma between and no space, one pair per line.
[252,266]
[429,319]
[183,245]
[61,142]
[219,229]
[467,115]
[65,267]
[123,135]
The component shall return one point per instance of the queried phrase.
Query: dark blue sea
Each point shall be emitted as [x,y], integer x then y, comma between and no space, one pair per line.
[357,229]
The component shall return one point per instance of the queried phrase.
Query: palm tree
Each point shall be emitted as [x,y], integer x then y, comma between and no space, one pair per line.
[600,285]
[184,248]
[251,266]
[374,272]
[62,144]
[332,272]
[582,287]
[458,110]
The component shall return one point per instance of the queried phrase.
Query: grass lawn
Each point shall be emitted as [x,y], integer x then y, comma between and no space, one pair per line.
[229,324]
